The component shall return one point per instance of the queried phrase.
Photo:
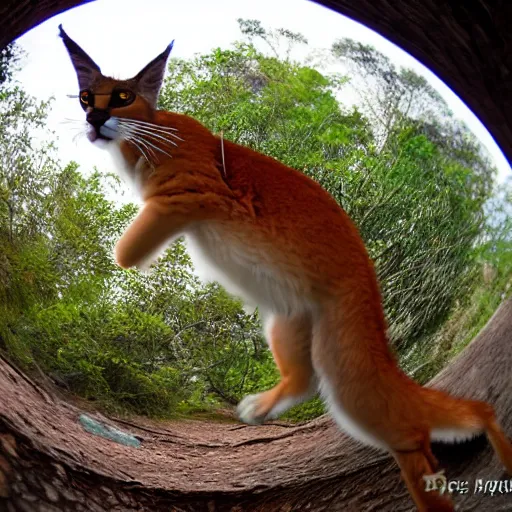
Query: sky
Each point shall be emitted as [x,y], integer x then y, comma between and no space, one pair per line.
[122,36]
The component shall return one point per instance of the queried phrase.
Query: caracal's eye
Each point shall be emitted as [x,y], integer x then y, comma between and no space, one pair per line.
[121,98]
[86,99]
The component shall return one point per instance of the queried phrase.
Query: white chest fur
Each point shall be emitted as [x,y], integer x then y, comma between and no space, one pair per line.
[131,175]
[247,270]
[244,269]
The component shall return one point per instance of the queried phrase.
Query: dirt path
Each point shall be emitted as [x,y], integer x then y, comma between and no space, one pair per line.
[49,463]
[190,455]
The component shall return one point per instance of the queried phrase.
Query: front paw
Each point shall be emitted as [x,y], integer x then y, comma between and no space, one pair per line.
[250,410]
[143,266]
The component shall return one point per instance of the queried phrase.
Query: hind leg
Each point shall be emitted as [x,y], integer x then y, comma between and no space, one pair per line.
[414,466]
[290,341]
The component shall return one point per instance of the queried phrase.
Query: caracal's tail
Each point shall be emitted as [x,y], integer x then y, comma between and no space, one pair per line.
[454,419]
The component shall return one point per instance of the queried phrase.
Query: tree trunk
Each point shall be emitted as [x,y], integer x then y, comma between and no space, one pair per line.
[49,463]
[19,16]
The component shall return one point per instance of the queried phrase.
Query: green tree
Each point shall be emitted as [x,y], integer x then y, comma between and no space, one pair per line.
[415,184]
[164,343]
[9,57]
[424,197]
[395,98]
[25,270]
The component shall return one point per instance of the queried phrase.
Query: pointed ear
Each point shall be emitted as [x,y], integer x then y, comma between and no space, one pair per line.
[149,80]
[86,69]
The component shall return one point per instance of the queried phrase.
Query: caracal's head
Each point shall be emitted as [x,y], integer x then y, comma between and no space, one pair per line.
[116,109]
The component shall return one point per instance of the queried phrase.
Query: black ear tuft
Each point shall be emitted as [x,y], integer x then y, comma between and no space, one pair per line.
[86,69]
[149,80]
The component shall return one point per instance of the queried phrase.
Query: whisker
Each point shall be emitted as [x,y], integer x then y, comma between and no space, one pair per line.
[151,153]
[68,120]
[153,127]
[141,137]
[135,142]
[150,124]
[141,141]
[156,147]
[77,136]
[136,131]
[138,140]
[154,133]
[139,130]
[76,128]
[77,133]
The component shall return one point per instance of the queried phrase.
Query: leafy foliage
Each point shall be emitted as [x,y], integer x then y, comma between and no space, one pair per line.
[412,178]
[417,199]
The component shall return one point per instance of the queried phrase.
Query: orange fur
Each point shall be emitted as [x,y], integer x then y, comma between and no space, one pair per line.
[337,329]
[280,240]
